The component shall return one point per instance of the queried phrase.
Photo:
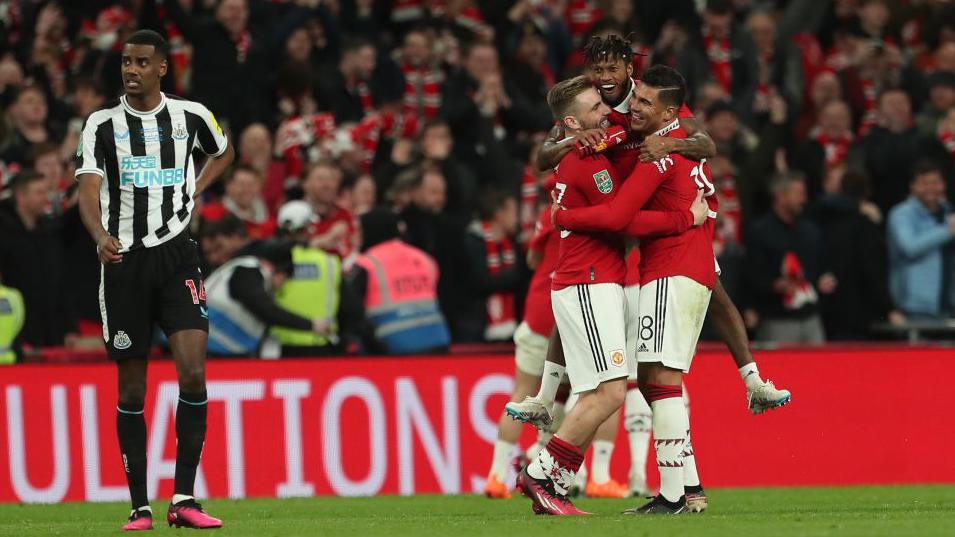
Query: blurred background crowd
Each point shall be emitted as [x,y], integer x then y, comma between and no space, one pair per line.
[834,123]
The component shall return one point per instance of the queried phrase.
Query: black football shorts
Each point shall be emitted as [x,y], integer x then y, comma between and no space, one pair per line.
[161,285]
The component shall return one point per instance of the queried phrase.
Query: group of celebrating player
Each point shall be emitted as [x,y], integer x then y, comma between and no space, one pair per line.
[632,164]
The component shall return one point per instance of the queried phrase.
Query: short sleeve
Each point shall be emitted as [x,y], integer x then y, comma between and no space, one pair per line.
[212,140]
[89,157]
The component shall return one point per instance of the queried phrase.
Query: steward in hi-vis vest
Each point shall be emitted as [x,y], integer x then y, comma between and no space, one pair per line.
[12,314]
[397,284]
[241,305]
[312,291]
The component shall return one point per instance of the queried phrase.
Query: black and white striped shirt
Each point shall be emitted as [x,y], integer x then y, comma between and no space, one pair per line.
[145,159]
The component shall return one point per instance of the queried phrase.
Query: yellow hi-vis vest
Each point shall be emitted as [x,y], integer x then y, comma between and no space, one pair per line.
[313,293]
[11,322]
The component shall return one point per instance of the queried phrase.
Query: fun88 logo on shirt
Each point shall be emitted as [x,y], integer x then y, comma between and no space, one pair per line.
[144,172]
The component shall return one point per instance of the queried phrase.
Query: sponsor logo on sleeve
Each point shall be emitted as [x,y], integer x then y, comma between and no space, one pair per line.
[216,123]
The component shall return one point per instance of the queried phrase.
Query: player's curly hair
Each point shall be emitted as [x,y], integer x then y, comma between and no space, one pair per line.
[612,47]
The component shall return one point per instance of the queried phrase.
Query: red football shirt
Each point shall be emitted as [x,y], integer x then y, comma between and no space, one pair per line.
[587,258]
[345,245]
[625,157]
[669,184]
[633,267]
[538,313]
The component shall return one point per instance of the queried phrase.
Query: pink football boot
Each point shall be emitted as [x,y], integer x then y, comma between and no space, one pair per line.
[189,514]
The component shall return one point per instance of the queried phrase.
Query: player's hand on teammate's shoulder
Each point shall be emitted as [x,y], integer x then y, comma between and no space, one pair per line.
[700,209]
[655,148]
[107,248]
[588,138]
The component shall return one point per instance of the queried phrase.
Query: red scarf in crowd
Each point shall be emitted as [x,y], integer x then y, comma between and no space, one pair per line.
[581,16]
[178,54]
[422,90]
[870,95]
[501,316]
[718,53]
[835,149]
[407,10]
[764,60]
[802,293]
[297,136]
[948,140]
[363,92]
[242,45]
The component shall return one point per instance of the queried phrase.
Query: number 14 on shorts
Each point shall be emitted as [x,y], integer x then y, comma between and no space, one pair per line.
[198,291]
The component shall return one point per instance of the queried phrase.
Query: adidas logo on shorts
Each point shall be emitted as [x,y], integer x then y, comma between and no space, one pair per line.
[643,348]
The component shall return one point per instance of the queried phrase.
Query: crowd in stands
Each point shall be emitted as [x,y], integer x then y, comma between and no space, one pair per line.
[834,122]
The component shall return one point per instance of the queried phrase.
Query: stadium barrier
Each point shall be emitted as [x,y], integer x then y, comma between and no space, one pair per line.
[427,425]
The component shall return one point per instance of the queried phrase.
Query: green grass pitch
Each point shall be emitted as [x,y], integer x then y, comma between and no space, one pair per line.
[781,512]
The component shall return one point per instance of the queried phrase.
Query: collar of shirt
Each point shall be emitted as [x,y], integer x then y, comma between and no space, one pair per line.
[131,110]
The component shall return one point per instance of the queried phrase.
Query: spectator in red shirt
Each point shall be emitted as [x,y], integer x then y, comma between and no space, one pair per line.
[243,198]
[336,230]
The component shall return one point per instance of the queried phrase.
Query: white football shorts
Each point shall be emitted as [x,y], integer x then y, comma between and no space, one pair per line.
[632,294]
[591,320]
[672,311]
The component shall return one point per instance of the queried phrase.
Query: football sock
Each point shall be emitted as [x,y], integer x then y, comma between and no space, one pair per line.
[550,382]
[562,456]
[691,478]
[534,450]
[503,451]
[600,464]
[176,498]
[670,424]
[557,412]
[750,374]
[131,431]
[190,435]
[638,420]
